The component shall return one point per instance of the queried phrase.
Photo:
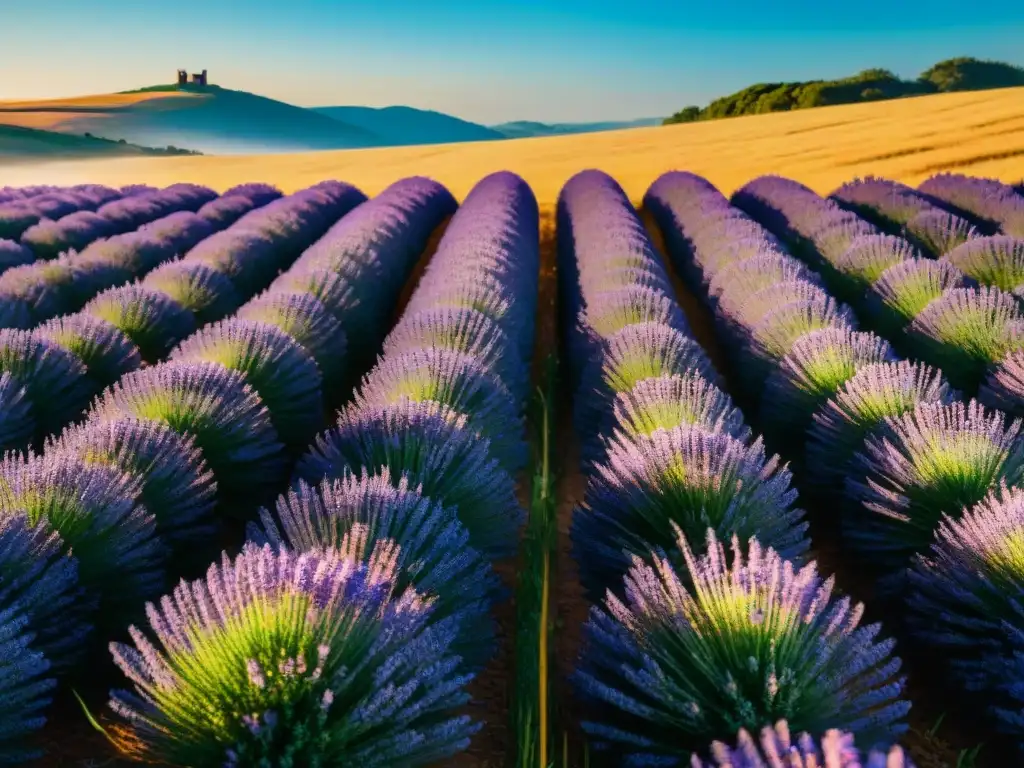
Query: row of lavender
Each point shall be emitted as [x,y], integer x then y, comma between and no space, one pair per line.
[157,227]
[692,642]
[929,309]
[56,369]
[380,553]
[96,524]
[923,483]
[987,206]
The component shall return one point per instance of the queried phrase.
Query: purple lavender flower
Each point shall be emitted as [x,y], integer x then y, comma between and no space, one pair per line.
[730,641]
[276,366]
[685,478]
[214,405]
[731,286]
[873,394]
[932,461]
[226,210]
[963,597]
[262,242]
[151,319]
[175,484]
[25,689]
[883,200]
[40,579]
[105,351]
[200,289]
[96,512]
[1004,386]
[303,317]
[997,261]
[966,330]
[257,191]
[835,234]
[860,266]
[775,334]
[364,517]
[643,276]
[47,288]
[304,660]
[636,353]
[776,747]
[433,447]
[990,201]
[608,312]
[14,313]
[456,381]
[53,378]
[14,254]
[905,289]
[752,307]
[666,402]
[937,232]
[17,424]
[461,330]
[48,239]
[813,370]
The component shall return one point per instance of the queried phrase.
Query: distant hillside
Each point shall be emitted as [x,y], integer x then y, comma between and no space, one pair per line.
[34,144]
[398,126]
[210,119]
[962,74]
[523,129]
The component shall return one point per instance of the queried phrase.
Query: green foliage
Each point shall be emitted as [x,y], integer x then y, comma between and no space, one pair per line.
[961,74]
[967,74]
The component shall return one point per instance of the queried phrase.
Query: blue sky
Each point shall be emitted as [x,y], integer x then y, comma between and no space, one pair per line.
[554,60]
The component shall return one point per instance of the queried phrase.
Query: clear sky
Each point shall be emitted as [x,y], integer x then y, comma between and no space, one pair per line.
[488,61]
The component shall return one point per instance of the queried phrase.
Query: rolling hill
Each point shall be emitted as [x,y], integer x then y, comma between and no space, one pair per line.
[399,126]
[208,119]
[980,133]
[525,129]
[19,144]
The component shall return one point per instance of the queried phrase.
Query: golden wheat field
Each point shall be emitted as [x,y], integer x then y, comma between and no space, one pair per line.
[981,133]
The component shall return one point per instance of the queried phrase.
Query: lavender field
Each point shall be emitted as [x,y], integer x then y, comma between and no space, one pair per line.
[319,479]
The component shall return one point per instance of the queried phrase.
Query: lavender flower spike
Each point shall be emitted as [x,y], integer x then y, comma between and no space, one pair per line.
[731,640]
[965,595]
[777,748]
[25,689]
[359,514]
[175,483]
[1003,388]
[684,478]
[16,422]
[281,372]
[875,393]
[302,659]
[39,577]
[214,405]
[935,460]
[433,447]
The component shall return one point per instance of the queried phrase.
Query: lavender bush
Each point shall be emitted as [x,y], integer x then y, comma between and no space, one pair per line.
[433,448]
[875,393]
[358,516]
[964,601]
[932,461]
[694,655]
[306,660]
[217,408]
[685,479]
[277,368]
